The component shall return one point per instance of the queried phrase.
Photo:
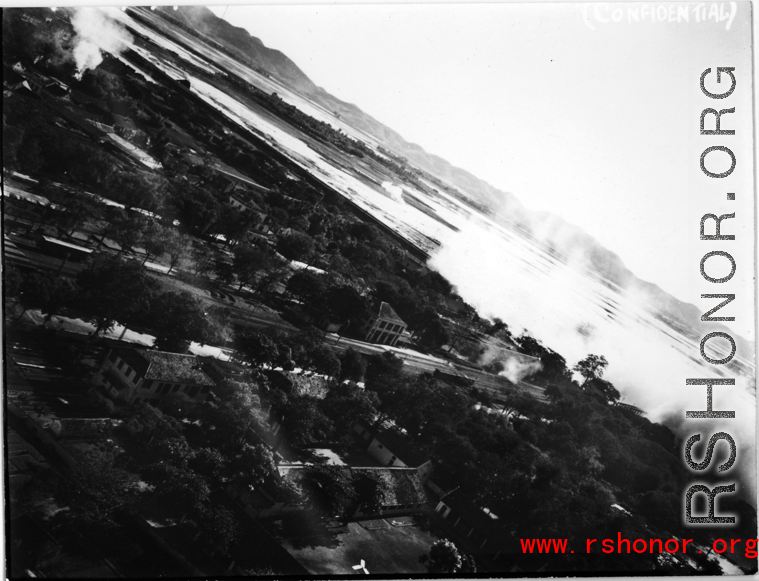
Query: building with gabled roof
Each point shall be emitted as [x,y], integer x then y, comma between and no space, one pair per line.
[148,375]
[232,179]
[382,324]
[252,211]
[299,383]
[402,491]
[390,447]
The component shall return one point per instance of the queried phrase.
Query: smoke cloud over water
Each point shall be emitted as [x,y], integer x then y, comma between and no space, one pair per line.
[96,32]
[503,274]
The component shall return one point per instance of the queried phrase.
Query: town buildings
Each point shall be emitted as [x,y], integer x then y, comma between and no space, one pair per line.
[146,375]
[390,447]
[402,492]
[382,325]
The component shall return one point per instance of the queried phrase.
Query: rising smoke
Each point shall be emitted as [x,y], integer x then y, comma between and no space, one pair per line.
[508,276]
[396,192]
[96,32]
[508,364]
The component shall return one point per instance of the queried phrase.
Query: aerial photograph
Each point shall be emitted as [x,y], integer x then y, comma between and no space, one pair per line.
[399,290]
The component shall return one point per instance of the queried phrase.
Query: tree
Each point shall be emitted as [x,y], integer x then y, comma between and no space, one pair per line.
[383,369]
[497,327]
[218,527]
[606,388]
[295,245]
[176,247]
[159,143]
[224,271]
[78,207]
[347,403]
[111,215]
[444,557]
[149,423]
[515,402]
[174,451]
[196,208]
[155,239]
[46,292]
[371,489]
[179,489]
[259,348]
[306,285]
[248,261]
[346,303]
[113,290]
[225,424]
[305,424]
[592,367]
[209,463]
[252,465]
[203,258]
[352,365]
[178,405]
[137,189]
[126,228]
[329,489]
[433,334]
[276,273]
[324,360]
[233,223]
[176,319]
[95,487]
[554,365]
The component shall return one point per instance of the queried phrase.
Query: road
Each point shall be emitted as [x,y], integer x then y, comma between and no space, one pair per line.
[420,363]
[262,317]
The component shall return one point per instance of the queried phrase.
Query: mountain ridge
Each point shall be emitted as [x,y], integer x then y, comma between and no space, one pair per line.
[546,227]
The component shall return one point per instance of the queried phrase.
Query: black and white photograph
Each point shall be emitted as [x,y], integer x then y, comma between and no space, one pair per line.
[400,290]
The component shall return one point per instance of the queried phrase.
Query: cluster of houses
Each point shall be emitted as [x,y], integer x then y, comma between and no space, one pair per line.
[380,324]
[388,456]
[91,117]
[128,376]
[149,376]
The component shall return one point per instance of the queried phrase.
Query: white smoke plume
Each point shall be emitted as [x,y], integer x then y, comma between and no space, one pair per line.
[507,276]
[508,364]
[516,370]
[96,32]
[396,192]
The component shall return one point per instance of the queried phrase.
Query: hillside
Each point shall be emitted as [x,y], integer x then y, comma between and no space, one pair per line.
[551,230]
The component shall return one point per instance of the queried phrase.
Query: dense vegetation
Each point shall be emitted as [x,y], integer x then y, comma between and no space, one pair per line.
[574,466]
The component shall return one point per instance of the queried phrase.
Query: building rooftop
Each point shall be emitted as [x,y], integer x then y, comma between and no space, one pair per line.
[479,516]
[402,485]
[56,91]
[387,313]
[400,446]
[67,245]
[232,173]
[250,204]
[165,366]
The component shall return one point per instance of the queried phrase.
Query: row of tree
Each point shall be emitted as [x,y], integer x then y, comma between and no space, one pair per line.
[114,291]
